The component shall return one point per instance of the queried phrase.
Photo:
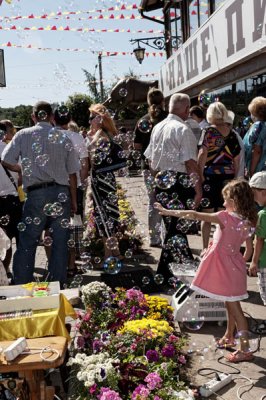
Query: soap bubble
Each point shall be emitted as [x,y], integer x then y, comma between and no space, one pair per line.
[191,205]
[64,223]
[191,320]
[37,221]
[36,148]
[4,220]
[159,279]
[247,341]
[206,188]
[62,110]
[112,265]
[184,180]
[42,115]
[205,202]
[112,243]
[42,160]
[123,92]
[28,220]
[175,204]
[48,209]
[145,280]
[145,125]
[25,162]
[62,197]
[165,179]
[103,145]
[21,227]
[129,253]
[71,243]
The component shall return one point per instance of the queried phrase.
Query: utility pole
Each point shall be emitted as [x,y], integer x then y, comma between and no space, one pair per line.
[101,75]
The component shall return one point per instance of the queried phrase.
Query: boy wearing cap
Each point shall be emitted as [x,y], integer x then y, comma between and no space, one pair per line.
[258,263]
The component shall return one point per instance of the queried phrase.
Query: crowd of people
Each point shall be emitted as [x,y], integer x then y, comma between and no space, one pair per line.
[195,165]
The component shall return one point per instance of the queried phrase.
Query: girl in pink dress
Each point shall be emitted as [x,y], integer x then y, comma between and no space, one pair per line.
[222,272]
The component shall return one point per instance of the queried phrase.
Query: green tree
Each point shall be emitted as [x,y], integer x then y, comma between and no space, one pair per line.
[19,115]
[78,105]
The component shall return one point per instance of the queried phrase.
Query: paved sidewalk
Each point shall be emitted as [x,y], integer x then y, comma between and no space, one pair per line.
[202,340]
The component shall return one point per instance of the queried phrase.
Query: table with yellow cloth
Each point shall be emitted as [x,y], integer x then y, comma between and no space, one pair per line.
[41,323]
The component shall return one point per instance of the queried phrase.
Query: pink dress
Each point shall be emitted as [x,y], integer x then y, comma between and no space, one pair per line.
[222,272]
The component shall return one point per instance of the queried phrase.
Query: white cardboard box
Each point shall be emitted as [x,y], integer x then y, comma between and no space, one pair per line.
[16,302]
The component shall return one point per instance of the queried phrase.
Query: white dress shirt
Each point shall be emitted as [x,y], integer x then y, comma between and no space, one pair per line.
[172,144]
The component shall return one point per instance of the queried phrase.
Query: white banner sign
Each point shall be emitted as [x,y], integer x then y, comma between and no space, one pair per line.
[234,33]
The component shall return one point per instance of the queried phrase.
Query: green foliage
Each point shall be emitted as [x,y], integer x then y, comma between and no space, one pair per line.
[78,105]
[19,116]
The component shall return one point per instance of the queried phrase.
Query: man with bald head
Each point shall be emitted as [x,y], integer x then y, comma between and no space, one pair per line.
[172,155]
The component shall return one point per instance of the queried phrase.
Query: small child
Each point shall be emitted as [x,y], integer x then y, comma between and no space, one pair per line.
[222,272]
[258,263]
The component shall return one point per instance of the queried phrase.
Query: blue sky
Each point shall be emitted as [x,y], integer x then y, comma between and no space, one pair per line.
[50,75]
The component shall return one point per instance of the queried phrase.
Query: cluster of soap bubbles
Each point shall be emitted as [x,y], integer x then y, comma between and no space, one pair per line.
[165,179]
[56,136]
[53,209]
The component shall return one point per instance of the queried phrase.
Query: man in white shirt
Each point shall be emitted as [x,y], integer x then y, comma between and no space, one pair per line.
[172,155]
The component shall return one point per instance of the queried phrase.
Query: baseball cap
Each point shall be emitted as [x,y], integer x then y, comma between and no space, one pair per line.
[258,180]
[229,119]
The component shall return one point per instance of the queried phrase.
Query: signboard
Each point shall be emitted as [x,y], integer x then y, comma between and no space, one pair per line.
[2,69]
[234,33]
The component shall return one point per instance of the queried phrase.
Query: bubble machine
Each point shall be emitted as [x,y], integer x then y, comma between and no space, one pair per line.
[204,308]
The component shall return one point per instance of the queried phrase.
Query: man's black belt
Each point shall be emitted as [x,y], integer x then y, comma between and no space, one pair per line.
[41,186]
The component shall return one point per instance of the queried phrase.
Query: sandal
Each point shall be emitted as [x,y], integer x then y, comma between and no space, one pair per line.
[224,343]
[239,356]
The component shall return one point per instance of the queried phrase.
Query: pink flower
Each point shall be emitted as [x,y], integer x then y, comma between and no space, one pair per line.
[133,294]
[182,359]
[157,398]
[93,388]
[153,380]
[107,394]
[173,338]
[140,393]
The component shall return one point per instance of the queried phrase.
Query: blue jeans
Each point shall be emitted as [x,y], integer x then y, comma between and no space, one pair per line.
[36,221]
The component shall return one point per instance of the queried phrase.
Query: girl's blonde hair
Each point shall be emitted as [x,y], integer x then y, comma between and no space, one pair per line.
[240,191]
[107,122]
[216,113]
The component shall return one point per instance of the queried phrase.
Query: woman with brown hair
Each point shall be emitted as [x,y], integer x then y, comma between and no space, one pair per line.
[103,182]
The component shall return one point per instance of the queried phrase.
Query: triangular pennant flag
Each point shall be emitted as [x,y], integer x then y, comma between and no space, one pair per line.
[13,27]
[132,16]
[100,16]
[122,16]
[193,12]
[9,44]
[54,28]
[112,16]
[67,28]
[123,7]
[31,16]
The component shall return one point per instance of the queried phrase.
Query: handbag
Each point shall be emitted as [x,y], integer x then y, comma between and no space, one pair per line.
[114,161]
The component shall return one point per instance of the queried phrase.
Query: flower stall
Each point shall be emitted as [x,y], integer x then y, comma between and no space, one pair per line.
[127,348]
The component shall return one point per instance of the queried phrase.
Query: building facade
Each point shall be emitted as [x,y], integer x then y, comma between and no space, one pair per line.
[222,49]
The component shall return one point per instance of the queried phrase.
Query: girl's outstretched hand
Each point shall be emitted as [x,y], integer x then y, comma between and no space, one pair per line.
[161,209]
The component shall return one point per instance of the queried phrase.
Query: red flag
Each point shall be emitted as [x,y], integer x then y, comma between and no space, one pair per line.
[123,7]
[100,16]
[132,16]
[122,16]
[54,28]
[66,28]
[111,16]
[9,44]
[13,27]
[31,16]
[193,12]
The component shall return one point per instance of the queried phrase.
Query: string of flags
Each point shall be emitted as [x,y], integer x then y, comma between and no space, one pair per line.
[103,53]
[81,29]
